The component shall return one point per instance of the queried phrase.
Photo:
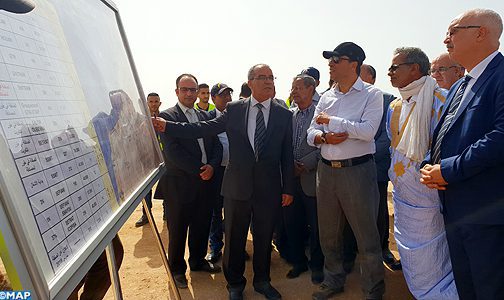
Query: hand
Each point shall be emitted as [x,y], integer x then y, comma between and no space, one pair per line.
[431,176]
[322,118]
[287,200]
[159,124]
[336,138]
[299,168]
[206,172]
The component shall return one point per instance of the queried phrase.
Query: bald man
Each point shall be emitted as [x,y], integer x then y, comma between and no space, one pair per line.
[446,71]
[466,163]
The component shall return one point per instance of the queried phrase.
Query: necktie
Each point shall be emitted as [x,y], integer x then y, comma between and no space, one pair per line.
[191,115]
[260,131]
[452,110]
[300,121]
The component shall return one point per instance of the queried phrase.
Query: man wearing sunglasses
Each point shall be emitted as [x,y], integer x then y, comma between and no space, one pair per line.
[419,229]
[345,122]
[466,162]
[446,71]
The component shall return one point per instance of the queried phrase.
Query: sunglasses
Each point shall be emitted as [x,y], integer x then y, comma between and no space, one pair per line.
[394,67]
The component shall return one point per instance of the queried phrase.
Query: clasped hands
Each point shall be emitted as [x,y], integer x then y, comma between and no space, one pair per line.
[431,176]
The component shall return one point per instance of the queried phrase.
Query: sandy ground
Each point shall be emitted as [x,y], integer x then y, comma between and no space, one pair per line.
[143,276]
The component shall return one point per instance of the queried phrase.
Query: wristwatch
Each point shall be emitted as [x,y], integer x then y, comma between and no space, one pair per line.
[323,139]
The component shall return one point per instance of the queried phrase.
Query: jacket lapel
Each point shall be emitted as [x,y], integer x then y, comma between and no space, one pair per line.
[474,89]
[179,114]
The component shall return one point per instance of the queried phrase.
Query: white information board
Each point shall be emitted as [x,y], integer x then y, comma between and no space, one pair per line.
[76,151]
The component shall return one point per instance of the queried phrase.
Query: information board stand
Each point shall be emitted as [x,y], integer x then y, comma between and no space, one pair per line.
[77,148]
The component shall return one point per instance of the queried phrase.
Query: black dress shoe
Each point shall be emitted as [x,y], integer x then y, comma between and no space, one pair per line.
[142,221]
[317,276]
[326,292]
[390,261]
[296,271]
[206,266]
[235,295]
[180,281]
[267,290]
[214,257]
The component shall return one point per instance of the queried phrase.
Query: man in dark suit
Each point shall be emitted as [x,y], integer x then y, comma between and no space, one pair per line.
[190,164]
[258,180]
[466,161]
[302,214]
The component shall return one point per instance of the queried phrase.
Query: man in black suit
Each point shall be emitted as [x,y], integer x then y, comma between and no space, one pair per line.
[258,179]
[190,164]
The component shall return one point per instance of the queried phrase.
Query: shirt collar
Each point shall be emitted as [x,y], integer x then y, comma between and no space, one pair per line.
[266,104]
[478,70]
[358,85]
[183,107]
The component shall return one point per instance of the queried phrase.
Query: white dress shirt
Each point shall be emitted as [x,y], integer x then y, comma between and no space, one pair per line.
[357,112]
[191,115]
[476,73]
[224,141]
[252,115]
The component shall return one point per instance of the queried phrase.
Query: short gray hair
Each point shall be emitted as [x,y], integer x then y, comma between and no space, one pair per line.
[251,72]
[415,55]
[307,81]
[491,19]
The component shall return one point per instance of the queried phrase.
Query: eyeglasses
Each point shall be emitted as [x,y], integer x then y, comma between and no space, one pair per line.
[264,78]
[338,59]
[394,67]
[186,89]
[442,69]
[455,29]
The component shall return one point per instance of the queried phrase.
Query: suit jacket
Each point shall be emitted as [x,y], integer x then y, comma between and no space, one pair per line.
[183,156]
[309,156]
[472,151]
[273,172]
[382,142]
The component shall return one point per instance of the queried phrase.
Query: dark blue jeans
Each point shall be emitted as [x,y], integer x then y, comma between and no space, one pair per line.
[216,236]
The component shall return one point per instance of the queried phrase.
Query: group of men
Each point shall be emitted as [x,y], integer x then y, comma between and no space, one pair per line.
[322,166]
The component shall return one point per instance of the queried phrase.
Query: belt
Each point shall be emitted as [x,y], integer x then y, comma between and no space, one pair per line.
[348,162]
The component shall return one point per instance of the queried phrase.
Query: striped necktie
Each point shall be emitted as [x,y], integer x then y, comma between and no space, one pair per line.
[452,110]
[260,131]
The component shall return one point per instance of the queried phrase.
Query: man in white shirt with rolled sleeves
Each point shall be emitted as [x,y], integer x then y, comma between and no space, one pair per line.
[344,125]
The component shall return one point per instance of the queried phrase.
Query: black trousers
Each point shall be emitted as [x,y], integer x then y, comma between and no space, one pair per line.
[263,210]
[477,256]
[97,280]
[188,209]
[298,217]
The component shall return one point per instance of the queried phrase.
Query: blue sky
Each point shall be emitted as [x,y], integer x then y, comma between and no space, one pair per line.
[218,41]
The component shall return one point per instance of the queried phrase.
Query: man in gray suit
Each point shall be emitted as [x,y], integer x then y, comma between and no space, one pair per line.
[303,211]
[258,179]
